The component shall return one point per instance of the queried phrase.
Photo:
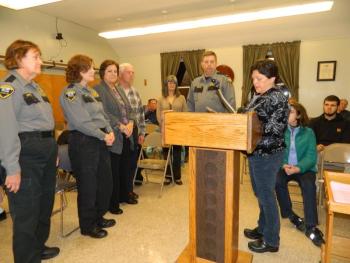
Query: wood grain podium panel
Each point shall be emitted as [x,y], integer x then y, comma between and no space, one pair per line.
[215,139]
[210,204]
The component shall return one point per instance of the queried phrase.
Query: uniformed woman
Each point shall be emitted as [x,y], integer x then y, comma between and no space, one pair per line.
[90,134]
[28,152]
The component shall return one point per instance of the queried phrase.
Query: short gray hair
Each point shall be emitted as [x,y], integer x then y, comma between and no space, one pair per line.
[123,67]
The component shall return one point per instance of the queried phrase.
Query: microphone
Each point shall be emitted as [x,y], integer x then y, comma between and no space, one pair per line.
[216,85]
[225,102]
[210,110]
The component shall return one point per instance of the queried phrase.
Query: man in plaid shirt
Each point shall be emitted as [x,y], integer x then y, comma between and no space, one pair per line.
[126,78]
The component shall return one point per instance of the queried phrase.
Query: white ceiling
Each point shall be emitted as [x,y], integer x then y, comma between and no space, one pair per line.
[106,15]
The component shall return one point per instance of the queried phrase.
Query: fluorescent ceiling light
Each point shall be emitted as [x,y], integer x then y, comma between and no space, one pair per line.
[222,20]
[22,4]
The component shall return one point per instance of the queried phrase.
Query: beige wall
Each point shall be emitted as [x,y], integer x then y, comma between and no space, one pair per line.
[41,29]
[311,93]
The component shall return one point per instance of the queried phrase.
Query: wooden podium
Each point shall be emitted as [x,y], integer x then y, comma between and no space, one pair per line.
[215,140]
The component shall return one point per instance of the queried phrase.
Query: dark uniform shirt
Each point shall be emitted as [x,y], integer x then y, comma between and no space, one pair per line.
[272,110]
[331,131]
[24,107]
[203,93]
[83,111]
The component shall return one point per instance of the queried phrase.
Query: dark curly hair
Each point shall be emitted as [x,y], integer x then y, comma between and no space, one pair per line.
[16,51]
[76,65]
[266,67]
[105,64]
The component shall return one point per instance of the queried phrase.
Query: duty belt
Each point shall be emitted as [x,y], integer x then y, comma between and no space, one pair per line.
[38,134]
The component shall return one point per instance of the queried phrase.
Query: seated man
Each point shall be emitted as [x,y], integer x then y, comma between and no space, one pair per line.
[342,109]
[299,164]
[151,112]
[330,127]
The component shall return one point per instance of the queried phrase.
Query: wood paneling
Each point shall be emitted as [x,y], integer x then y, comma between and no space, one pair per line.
[53,86]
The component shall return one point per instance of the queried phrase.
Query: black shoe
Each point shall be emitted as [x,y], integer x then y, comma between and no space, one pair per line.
[137,183]
[297,222]
[131,201]
[96,232]
[178,182]
[49,252]
[116,211]
[315,235]
[134,195]
[106,223]
[3,215]
[252,233]
[260,246]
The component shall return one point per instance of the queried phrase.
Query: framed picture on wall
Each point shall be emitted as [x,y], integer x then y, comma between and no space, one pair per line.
[326,70]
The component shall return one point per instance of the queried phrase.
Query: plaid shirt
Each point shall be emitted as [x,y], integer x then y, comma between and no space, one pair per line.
[137,109]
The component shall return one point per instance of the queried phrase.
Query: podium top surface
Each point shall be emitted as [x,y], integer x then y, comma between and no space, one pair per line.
[212,130]
[333,205]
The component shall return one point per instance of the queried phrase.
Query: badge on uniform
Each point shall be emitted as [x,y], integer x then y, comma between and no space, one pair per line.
[30,98]
[87,98]
[96,95]
[214,84]
[6,91]
[43,95]
[70,94]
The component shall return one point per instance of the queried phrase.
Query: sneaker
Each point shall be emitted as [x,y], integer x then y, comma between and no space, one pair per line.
[315,235]
[297,222]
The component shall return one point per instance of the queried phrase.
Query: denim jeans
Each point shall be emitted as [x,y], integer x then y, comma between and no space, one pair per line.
[307,184]
[263,171]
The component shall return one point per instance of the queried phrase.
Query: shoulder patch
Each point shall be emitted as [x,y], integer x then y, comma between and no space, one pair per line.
[6,90]
[70,94]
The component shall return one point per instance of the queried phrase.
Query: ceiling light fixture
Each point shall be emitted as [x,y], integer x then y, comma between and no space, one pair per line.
[20,4]
[222,20]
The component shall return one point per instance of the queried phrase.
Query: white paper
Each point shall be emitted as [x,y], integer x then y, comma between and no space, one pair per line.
[341,192]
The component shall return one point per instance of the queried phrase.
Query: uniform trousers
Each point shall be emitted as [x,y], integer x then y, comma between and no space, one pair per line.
[121,172]
[31,206]
[307,183]
[91,165]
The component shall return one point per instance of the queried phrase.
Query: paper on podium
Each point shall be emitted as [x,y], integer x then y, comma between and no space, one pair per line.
[341,192]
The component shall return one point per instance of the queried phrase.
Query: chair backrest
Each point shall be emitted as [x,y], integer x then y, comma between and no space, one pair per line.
[337,153]
[154,139]
[63,158]
[150,127]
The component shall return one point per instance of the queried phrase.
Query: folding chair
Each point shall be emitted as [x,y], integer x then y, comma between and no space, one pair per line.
[150,127]
[335,157]
[64,184]
[155,161]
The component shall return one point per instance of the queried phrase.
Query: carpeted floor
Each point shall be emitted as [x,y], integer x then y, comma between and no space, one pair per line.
[156,231]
